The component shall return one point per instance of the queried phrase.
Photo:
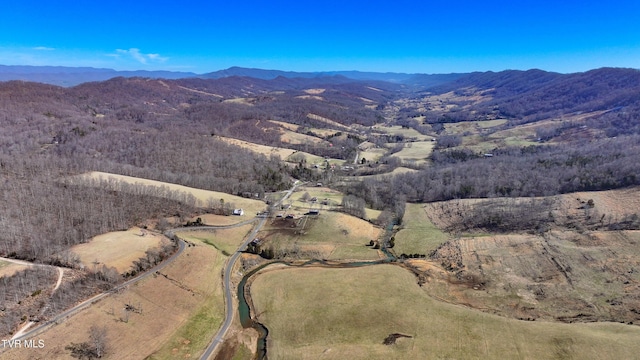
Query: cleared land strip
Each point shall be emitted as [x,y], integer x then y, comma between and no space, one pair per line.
[74,310]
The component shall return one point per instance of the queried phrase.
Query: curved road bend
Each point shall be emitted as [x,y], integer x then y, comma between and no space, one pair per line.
[228,318]
[24,334]
[60,270]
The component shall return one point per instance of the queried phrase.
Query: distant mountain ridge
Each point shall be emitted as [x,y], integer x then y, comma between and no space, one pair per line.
[71,76]
[506,83]
[272,74]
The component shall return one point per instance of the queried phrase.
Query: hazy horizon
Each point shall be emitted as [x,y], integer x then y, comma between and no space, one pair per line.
[403,37]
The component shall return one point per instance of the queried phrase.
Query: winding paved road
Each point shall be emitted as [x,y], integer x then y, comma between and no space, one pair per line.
[228,291]
[229,311]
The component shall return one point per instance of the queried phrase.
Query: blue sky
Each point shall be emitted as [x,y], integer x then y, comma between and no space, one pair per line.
[397,36]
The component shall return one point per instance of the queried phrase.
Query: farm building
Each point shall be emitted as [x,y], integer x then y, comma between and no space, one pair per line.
[238,212]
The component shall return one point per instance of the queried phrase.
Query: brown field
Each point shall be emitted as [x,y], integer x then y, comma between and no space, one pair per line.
[224,240]
[292,137]
[257,148]
[286,125]
[373,153]
[117,249]
[310,97]
[220,220]
[250,206]
[315,91]
[417,152]
[179,314]
[576,271]
[333,198]
[328,121]
[330,235]
[323,132]
[347,313]
[243,101]
[616,203]
[473,127]
[309,159]
[8,268]
[398,170]
[407,133]
[562,276]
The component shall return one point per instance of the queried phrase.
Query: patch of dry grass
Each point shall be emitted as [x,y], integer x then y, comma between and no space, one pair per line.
[8,268]
[406,132]
[328,121]
[373,153]
[117,249]
[257,148]
[220,220]
[347,313]
[286,125]
[292,137]
[333,235]
[179,314]
[317,91]
[250,206]
[243,101]
[225,240]
[417,152]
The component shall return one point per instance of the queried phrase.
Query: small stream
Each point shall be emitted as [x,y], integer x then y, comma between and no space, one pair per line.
[245,310]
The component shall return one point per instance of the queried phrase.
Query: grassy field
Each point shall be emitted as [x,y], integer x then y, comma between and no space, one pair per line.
[418,235]
[328,121]
[179,314]
[117,249]
[220,220]
[292,137]
[286,125]
[243,101]
[323,132]
[373,154]
[472,126]
[8,268]
[417,152]
[347,314]
[333,199]
[406,132]
[398,170]
[257,148]
[310,159]
[330,235]
[224,240]
[250,206]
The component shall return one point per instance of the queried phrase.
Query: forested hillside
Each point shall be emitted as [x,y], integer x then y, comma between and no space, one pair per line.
[481,135]
[167,130]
